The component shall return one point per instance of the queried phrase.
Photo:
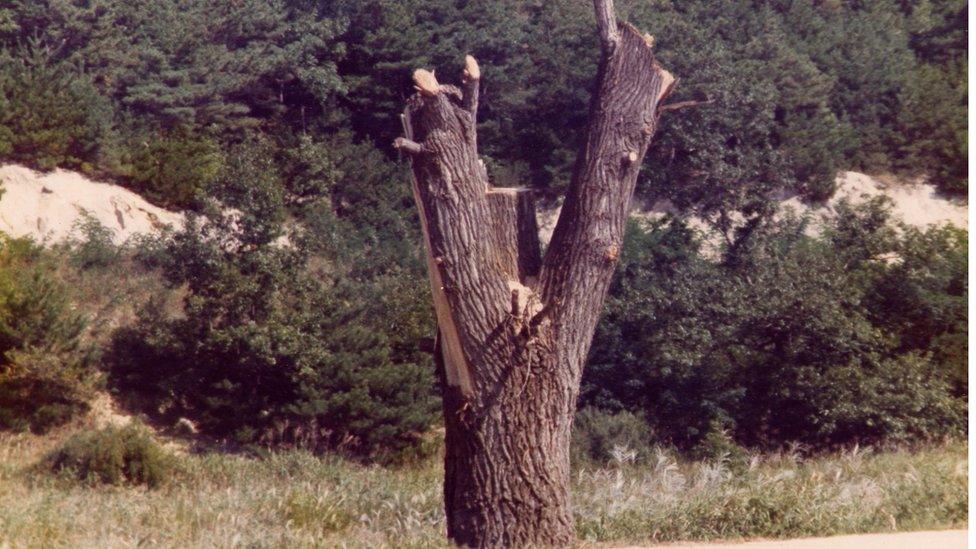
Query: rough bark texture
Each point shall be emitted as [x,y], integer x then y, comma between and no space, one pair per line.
[514,329]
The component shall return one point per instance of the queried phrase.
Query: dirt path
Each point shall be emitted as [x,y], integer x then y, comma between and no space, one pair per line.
[944,539]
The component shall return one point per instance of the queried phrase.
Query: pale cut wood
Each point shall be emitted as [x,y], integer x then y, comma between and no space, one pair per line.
[447,343]
[425,82]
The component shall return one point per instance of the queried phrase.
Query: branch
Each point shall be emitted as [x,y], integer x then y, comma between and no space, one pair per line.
[586,242]
[606,23]
[471,80]
[468,283]
[683,105]
[407,146]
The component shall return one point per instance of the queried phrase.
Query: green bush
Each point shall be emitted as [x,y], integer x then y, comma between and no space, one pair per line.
[788,338]
[47,370]
[600,436]
[268,352]
[113,455]
[94,247]
[718,445]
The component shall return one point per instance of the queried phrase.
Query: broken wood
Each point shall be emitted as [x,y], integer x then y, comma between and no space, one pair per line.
[514,328]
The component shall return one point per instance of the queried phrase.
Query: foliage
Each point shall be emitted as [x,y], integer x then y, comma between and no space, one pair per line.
[923,298]
[265,353]
[94,247]
[113,455]
[47,369]
[174,167]
[797,89]
[600,437]
[788,338]
[307,275]
[932,126]
[50,112]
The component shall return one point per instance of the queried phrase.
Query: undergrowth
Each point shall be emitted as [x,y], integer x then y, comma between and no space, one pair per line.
[294,499]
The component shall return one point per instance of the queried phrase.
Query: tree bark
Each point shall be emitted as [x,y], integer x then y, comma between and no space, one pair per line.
[513,328]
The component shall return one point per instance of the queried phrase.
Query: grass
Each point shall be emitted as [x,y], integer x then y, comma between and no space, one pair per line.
[297,500]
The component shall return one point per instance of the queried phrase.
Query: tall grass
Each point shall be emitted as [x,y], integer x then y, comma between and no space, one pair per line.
[774,496]
[298,500]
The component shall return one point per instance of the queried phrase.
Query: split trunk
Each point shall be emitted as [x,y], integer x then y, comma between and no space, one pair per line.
[514,328]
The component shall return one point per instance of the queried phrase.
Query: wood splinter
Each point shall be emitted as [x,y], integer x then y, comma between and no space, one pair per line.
[684,105]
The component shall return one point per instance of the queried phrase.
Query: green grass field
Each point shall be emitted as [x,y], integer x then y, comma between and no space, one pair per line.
[297,500]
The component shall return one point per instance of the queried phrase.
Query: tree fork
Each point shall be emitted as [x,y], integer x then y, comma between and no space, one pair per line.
[514,328]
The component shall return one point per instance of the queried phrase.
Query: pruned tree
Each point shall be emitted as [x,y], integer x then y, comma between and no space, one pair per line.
[514,327]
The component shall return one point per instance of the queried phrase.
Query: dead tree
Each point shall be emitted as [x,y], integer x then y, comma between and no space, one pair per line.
[515,328]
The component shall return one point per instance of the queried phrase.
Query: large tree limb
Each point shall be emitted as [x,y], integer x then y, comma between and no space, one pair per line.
[588,236]
[470,267]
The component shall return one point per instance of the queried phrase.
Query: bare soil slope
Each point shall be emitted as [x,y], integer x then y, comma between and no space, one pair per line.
[48,206]
[914,203]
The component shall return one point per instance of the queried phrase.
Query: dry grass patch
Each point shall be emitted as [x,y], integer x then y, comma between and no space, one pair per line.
[298,500]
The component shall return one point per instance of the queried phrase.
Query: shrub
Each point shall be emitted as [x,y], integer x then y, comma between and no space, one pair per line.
[788,338]
[113,455]
[718,445]
[266,352]
[47,371]
[94,247]
[600,436]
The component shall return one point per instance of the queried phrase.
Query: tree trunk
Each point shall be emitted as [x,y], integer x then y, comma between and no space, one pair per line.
[513,328]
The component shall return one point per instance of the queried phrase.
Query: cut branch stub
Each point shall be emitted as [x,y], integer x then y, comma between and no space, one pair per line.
[606,24]
[471,69]
[425,82]
[471,79]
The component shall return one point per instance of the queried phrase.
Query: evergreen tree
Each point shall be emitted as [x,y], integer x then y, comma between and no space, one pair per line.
[47,369]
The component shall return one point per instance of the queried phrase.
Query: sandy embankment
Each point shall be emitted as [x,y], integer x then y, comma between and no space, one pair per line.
[915,204]
[48,206]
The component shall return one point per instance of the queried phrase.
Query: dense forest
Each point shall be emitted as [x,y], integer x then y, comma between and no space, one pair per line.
[272,120]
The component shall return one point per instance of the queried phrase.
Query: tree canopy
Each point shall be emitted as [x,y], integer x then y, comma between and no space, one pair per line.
[285,110]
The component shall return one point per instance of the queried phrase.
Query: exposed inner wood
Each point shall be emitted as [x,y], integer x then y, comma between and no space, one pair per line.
[456,370]
[425,82]
[514,220]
